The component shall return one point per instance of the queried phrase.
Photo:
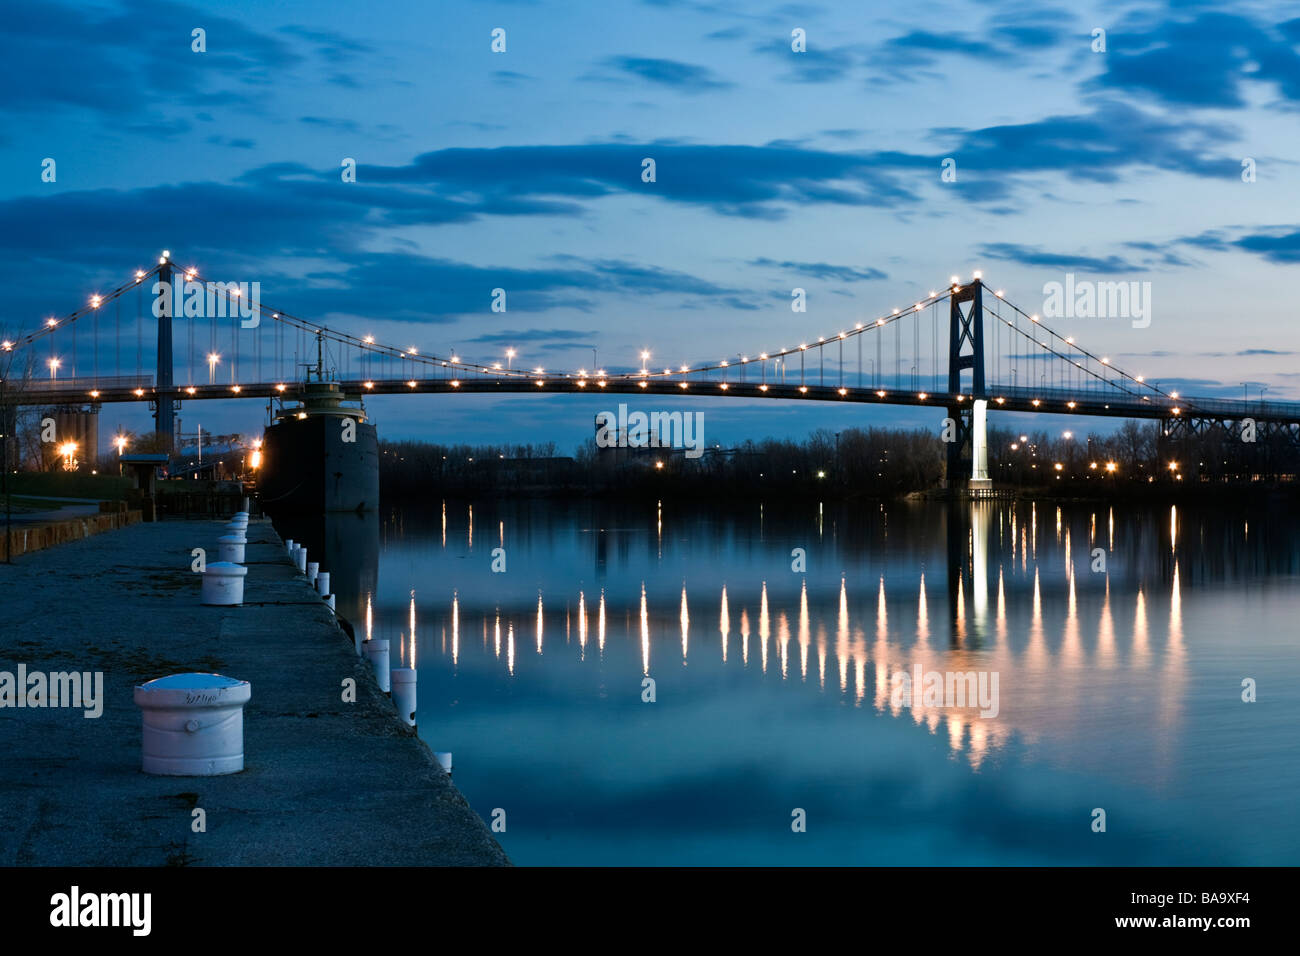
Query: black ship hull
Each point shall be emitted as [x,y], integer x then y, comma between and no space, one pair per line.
[308,466]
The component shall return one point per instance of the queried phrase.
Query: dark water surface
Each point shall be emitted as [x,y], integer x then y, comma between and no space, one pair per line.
[1117,689]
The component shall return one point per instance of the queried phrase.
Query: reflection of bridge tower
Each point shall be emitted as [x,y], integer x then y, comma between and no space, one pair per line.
[968,526]
[968,454]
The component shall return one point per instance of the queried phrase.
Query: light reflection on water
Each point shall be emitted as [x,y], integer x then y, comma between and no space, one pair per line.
[1118,687]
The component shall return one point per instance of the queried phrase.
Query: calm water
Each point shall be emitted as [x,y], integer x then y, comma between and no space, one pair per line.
[774,692]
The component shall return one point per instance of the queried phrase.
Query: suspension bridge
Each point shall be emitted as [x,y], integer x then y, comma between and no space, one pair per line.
[964,348]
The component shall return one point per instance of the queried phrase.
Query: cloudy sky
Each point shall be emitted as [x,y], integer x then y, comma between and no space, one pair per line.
[774,169]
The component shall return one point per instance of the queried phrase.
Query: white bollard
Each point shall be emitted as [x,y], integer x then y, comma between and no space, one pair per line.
[192,724]
[241,520]
[377,652]
[289,546]
[322,583]
[300,558]
[230,548]
[329,599]
[313,569]
[444,760]
[223,584]
[403,682]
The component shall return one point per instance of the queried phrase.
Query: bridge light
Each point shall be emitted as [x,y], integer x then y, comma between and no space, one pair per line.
[858,326]
[120,442]
[302,415]
[235,294]
[191,389]
[497,366]
[139,274]
[94,393]
[1067,435]
[762,388]
[582,383]
[236,388]
[455,383]
[896,312]
[1173,466]
[1033,318]
[659,464]
[917,307]
[1173,394]
[139,393]
[643,384]
[279,388]
[538,371]
[6,345]
[1142,378]
[411,350]
[821,338]
[1178,411]
[723,386]
[842,335]
[803,388]
[1058,466]
[933,293]
[998,293]
[923,396]
[844,391]
[54,365]
[880,394]
[368,385]
[1015,446]
[1001,401]
[803,347]
[880,321]
[369,340]
[1024,438]
[601,383]
[275,315]
[51,322]
[685,369]
[1035,403]
[1111,466]
[763,356]
[724,363]
[681,384]
[1105,361]
[1069,405]
[192,274]
[540,383]
[1069,339]
[955,280]
[411,383]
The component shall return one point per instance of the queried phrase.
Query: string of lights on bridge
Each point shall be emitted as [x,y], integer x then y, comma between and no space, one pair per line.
[1066,350]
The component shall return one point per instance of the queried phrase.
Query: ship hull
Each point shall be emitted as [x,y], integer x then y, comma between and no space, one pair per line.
[307,466]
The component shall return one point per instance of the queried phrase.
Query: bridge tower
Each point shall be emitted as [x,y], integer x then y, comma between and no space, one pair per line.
[165,404]
[968,454]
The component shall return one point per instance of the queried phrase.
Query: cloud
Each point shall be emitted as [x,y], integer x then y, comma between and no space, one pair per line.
[1014,252]
[1276,244]
[1207,61]
[684,77]
[822,270]
[816,64]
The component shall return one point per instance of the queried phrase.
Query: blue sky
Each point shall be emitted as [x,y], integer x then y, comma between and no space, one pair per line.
[774,170]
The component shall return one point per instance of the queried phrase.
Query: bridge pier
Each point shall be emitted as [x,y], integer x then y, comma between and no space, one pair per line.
[968,454]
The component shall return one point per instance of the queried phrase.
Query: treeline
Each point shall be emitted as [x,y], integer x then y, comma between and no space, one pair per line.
[872,462]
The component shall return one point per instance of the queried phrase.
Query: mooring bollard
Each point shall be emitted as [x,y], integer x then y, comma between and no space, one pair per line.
[322,583]
[313,569]
[300,558]
[377,652]
[329,599]
[240,519]
[403,682]
[444,760]
[223,584]
[289,546]
[230,548]
[192,724]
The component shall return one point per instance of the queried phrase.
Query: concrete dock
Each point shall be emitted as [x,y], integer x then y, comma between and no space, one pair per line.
[325,782]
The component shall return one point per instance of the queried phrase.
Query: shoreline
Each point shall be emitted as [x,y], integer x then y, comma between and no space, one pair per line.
[325,782]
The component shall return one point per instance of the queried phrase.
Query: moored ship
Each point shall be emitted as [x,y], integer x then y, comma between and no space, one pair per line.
[321,454]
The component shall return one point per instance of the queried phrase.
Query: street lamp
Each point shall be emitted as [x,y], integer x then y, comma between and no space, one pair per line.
[213,359]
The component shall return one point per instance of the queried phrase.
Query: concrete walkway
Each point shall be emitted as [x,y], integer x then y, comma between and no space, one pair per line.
[325,782]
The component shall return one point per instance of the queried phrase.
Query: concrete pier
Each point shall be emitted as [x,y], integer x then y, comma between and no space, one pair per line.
[325,782]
